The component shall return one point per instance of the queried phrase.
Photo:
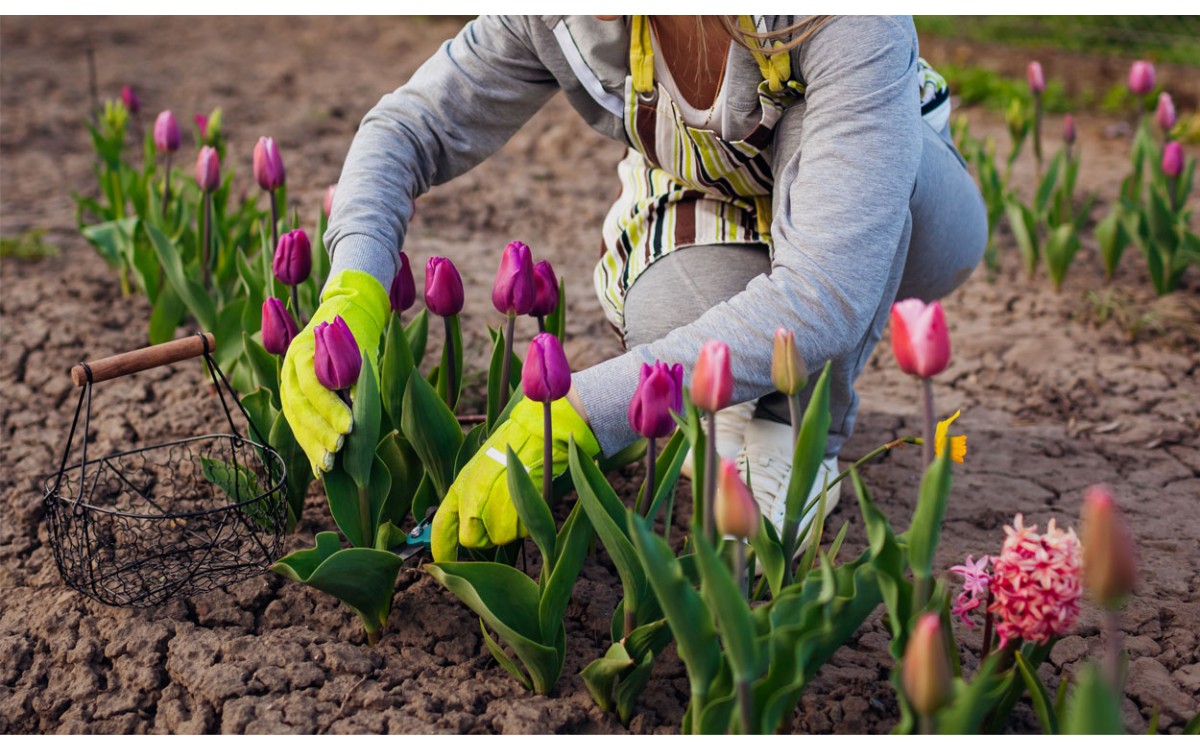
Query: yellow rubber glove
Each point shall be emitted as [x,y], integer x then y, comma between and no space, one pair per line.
[478,511]
[318,418]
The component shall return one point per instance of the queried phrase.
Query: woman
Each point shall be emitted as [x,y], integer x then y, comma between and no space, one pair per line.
[782,172]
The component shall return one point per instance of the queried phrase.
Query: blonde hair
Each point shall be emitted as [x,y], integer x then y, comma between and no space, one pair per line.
[791,36]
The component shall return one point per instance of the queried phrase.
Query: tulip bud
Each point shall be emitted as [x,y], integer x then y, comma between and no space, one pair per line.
[1141,78]
[545,289]
[925,672]
[293,258]
[202,126]
[1109,566]
[130,99]
[166,132]
[403,291]
[443,287]
[512,291]
[328,204]
[920,339]
[1037,81]
[735,512]
[208,169]
[1172,159]
[337,360]
[1069,134]
[278,326]
[712,377]
[659,392]
[268,164]
[1165,113]
[787,366]
[545,376]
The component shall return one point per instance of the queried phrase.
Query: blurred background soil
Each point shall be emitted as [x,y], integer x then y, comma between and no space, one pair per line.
[1058,391]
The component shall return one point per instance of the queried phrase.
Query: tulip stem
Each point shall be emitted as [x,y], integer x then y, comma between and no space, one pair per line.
[987,628]
[928,445]
[794,411]
[547,456]
[506,366]
[924,724]
[166,186]
[207,238]
[451,373]
[541,323]
[274,221]
[647,499]
[1113,646]
[1037,135]
[296,301]
[746,706]
[739,567]
[710,476]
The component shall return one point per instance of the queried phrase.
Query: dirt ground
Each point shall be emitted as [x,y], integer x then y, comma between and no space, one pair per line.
[1056,394]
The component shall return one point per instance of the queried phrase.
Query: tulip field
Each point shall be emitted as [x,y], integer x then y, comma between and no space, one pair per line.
[1014,549]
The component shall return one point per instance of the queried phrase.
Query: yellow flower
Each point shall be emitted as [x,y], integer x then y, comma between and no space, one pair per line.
[958,443]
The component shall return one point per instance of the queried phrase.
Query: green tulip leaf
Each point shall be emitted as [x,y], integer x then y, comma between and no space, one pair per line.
[495,369]
[358,454]
[600,676]
[166,315]
[667,467]
[454,329]
[571,550]
[769,552]
[926,529]
[888,560]
[1061,246]
[1042,703]
[299,471]
[193,294]
[503,659]
[556,322]
[262,363]
[1093,707]
[417,333]
[399,500]
[395,367]
[806,464]
[728,603]
[356,508]
[531,509]
[433,431]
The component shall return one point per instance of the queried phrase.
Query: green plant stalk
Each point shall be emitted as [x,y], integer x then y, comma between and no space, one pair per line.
[746,706]
[505,366]
[648,486]
[928,445]
[987,628]
[794,412]
[710,477]
[295,301]
[874,454]
[541,319]
[452,376]
[207,238]
[925,724]
[166,186]
[547,456]
[1113,645]
[739,567]
[1037,134]
[274,222]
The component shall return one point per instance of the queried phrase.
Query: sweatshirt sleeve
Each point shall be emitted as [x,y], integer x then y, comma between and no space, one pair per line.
[845,166]
[461,106]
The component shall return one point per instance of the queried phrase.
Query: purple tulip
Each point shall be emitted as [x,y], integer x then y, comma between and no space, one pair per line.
[293,258]
[403,292]
[443,287]
[328,204]
[1165,114]
[545,376]
[659,392]
[545,289]
[1172,160]
[512,292]
[1141,77]
[268,164]
[208,169]
[278,326]
[1037,81]
[338,360]
[1069,130]
[130,99]
[166,132]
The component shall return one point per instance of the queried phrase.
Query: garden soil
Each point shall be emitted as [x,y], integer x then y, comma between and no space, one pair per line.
[1058,391]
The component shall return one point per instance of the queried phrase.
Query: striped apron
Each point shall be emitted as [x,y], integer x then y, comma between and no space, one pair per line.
[683,186]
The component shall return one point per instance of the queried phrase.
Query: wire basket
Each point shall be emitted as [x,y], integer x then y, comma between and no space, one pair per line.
[138,527]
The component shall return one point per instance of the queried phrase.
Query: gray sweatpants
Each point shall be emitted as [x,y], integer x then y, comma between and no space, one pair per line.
[944,240]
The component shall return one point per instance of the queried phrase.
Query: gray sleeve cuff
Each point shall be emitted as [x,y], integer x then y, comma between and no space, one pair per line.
[605,391]
[359,252]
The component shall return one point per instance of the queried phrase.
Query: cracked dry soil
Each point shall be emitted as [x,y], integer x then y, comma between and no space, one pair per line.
[1052,402]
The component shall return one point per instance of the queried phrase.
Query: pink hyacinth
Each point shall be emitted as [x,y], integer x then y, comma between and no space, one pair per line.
[1036,583]
[976,580]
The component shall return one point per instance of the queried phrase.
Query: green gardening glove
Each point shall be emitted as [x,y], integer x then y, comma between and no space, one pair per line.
[477,511]
[318,418]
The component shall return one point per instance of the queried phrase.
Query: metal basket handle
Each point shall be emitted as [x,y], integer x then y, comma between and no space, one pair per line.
[128,363]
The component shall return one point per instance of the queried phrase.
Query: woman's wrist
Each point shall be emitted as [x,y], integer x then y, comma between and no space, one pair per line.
[576,404]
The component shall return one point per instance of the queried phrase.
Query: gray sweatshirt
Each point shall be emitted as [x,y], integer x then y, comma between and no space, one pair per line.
[845,162]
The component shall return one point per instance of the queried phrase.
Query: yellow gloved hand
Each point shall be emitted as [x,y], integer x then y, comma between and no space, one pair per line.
[318,418]
[478,511]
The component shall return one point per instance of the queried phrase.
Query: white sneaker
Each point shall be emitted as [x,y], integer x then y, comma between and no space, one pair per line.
[767,456]
[731,429]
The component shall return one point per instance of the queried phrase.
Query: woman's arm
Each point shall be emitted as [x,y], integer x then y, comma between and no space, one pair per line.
[461,106]
[845,166]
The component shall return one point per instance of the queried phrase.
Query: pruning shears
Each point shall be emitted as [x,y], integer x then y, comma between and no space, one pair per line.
[417,540]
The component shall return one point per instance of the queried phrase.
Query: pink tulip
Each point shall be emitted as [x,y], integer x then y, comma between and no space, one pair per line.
[443,287]
[268,164]
[1069,130]
[512,291]
[208,169]
[166,132]
[545,289]
[545,376]
[659,392]
[338,360]
[1172,159]
[328,204]
[403,291]
[292,263]
[712,377]
[1109,565]
[1165,113]
[735,512]
[925,671]
[920,339]
[1037,81]
[130,99]
[202,126]
[278,326]
[1141,77]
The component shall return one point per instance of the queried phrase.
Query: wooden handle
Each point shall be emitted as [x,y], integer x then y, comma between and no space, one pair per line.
[143,359]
